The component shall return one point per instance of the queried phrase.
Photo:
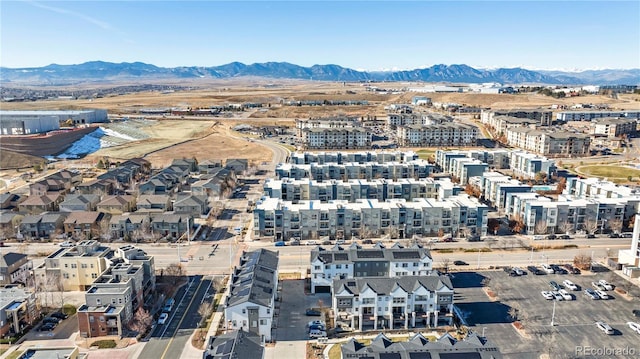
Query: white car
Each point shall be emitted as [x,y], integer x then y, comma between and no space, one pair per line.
[565,294]
[606,285]
[569,284]
[66,244]
[315,322]
[163,318]
[634,326]
[605,328]
[547,295]
[547,268]
[311,243]
[557,295]
[519,271]
[597,286]
[317,334]
[602,294]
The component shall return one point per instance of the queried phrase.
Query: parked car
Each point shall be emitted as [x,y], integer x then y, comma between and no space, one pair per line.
[597,286]
[606,285]
[519,271]
[460,263]
[315,322]
[552,236]
[340,241]
[569,284]
[279,244]
[295,243]
[163,318]
[532,269]
[59,315]
[557,295]
[575,270]
[636,312]
[312,243]
[314,334]
[47,327]
[634,326]
[626,235]
[367,241]
[605,328]
[602,294]
[66,244]
[547,269]
[565,236]
[317,327]
[614,235]
[591,236]
[547,295]
[558,270]
[566,295]
[591,294]
[312,312]
[554,285]
[51,320]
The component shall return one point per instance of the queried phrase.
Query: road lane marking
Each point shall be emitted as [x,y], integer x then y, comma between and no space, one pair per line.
[180,322]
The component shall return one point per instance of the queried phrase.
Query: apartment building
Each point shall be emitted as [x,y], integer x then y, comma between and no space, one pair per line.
[495,187]
[355,262]
[449,134]
[135,256]
[363,157]
[17,309]
[593,115]
[405,119]
[551,144]
[540,116]
[418,347]
[352,170]
[630,258]
[288,189]
[326,123]
[527,165]
[614,127]
[76,268]
[353,138]
[111,301]
[251,301]
[374,303]
[496,159]
[595,187]
[14,268]
[464,168]
[281,220]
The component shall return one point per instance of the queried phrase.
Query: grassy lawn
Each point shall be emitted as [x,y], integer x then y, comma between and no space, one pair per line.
[424,154]
[609,171]
[15,354]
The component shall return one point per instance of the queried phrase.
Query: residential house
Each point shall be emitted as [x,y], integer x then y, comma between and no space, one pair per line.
[36,204]
[234,344]
[9,224]
[84,224]
[103,187]
[211,187]
[131,224]
[188,164]
[393,303]
[14,268]
[48,185]
[472,346]
[154,203]
[207,166]
[10,201]
[79,202]
[17,310]
[44,225]
[117,204]
[238,165]
[75,268]
[250,305]
[355,261]
[136,256]
[172,224]
[192,205]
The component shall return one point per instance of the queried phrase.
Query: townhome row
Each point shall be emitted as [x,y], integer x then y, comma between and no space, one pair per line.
[395,120]
[305,158]
[288,189]
[541,117]
[355,262]
[17,309]
[346,171]
[281,220]
[449,134]
[566,116]
[253,292]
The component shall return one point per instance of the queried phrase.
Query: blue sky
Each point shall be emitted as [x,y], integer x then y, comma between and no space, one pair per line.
[367,35]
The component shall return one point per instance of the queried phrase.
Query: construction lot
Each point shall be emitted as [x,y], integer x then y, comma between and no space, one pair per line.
[574,333]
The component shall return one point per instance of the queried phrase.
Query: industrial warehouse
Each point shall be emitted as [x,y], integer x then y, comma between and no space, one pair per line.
[32,122]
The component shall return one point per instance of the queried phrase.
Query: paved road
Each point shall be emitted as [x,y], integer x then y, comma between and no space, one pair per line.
[169,340]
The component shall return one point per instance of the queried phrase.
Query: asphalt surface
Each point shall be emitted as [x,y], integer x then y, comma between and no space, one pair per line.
[574,320]
[169,340]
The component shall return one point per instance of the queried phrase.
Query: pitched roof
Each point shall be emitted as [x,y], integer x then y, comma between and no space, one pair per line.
[235,344]
[386,285]
[396,253]
[116,200]
[254,279]
[9,259]
[86,217]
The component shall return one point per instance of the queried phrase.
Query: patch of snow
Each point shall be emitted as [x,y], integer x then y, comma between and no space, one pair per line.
[89,143]
[110,132]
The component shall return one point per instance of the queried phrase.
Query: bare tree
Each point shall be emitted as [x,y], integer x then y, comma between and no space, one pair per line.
[582,261]
[541,227]
[565,227]
[615,225]
[205,309]
[141,320]
[590,226]
[485,281]
[175,273]
[446,262]
[513,312]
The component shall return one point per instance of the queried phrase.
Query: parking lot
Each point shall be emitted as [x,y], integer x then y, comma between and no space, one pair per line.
[574,321]
[292,321]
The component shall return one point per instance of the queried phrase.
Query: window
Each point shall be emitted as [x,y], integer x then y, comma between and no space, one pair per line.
[119,300]
[263,322]
[83,265]
[65,275]
[244,311]
[98,301]
[102,318]
[91,319]
[66,265]
[338,266]
[91,265]
[317,267]
[268,311]
[73,265]
[94,275]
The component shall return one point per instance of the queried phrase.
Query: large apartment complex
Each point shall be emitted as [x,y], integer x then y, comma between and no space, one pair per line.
[356,262]
[446,134]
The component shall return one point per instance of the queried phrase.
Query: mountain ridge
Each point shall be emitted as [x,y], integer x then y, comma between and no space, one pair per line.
[457,73]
